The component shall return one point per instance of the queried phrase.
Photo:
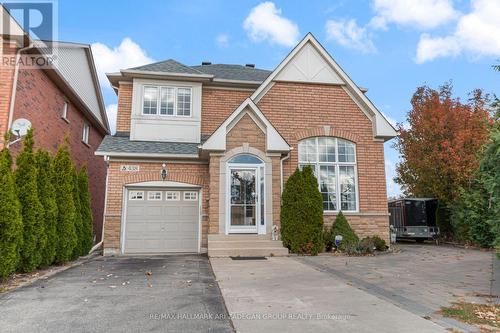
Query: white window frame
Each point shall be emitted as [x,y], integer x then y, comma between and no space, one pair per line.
[154,198]
[158,100]
[85,133]
[176,197]
[195,198]
[316,168]
[134,195]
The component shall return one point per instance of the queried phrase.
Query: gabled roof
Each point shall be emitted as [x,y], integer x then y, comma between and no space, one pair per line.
[274,141]
[73,71]
[167,66]
[234,72]
[381,127]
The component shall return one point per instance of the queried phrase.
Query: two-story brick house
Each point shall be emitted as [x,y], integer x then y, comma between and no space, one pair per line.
[201,153]
[61,100]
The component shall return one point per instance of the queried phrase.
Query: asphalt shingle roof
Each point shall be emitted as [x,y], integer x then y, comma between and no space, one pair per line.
[123,144]
[168,66]
[234,72]
[219,71]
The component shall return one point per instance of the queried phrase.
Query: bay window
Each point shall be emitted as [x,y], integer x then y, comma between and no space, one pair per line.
[333,161]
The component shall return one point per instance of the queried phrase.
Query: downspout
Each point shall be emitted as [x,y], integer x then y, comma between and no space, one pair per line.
[14,84]
[281,168]
[98,245]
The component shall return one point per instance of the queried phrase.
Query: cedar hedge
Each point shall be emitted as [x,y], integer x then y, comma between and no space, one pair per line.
[45,213]
[11,227]
[32,211]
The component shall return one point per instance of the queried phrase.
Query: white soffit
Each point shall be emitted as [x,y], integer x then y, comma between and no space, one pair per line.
[310,62]
[274,141]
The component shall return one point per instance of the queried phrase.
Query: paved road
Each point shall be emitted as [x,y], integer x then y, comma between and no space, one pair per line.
[420,278]
[283,294]
[115,295]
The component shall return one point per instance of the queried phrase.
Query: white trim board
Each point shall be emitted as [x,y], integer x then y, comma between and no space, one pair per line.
[334,75]
[274,141]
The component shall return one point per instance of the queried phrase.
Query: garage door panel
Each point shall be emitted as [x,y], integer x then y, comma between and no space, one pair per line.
[158,226]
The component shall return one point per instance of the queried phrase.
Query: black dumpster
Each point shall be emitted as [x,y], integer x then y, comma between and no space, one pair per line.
[414,218]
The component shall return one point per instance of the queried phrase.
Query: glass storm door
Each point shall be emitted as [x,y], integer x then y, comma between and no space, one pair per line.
[244,205]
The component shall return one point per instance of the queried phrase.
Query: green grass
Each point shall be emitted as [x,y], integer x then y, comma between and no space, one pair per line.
[478,314]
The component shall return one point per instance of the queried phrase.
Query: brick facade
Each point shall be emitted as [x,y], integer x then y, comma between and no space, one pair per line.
[297,111]
[39,100]
[124,107]
[6,81]
[300,110]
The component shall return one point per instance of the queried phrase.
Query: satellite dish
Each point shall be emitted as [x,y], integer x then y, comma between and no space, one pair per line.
[20,127]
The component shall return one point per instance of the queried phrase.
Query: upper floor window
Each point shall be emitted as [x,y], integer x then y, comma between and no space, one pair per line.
[166,101]
[85,133]
[333,161]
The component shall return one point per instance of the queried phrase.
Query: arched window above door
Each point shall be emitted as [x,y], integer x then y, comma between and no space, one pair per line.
[245,159]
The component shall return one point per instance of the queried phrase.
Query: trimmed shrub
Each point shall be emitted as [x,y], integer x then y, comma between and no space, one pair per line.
[366,245]
[327,239]
[341,227]
[302,213]
[47,196]
[31,209]
[380,244]
[86,213]
[63,181]
[78,249]
[11,226]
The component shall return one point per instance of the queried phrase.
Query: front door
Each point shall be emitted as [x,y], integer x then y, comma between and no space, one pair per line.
[244,200]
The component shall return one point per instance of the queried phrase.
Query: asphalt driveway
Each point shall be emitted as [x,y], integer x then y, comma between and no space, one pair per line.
[139,294]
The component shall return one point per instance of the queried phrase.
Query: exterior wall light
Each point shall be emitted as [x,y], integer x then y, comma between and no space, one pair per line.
[163,172]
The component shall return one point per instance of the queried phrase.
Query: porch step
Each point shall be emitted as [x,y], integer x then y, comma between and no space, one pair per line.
[244,245]
[237,237]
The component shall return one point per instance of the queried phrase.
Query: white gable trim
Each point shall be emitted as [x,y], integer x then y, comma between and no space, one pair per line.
[382,128]
[274,141]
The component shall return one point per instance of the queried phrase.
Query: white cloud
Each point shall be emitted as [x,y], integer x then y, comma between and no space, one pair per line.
[347,33]
[429,48]
[111,112]
[476,33]
[127,54]
[222,40]
[266,23]
[420,13]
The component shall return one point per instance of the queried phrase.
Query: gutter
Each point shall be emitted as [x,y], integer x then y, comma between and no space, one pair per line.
[14,85]
[281,168]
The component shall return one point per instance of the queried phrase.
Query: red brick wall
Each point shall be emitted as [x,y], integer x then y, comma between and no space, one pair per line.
[6,80]
[41,101]
[301,110]
[124,108]
[217,105]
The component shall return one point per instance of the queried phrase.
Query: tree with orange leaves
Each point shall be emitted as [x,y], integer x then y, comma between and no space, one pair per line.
[440,147]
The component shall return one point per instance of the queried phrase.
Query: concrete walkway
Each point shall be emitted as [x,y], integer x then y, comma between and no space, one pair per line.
[285,295]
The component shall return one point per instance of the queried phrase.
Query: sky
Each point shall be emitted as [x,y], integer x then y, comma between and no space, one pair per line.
[388,46]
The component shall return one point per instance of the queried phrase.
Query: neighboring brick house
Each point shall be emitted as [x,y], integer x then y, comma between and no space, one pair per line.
[61,101]
[201,153]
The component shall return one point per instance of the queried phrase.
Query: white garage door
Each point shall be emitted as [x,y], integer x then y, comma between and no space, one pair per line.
[161,221]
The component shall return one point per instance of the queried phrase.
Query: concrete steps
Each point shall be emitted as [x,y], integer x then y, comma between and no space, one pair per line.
[245,246]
